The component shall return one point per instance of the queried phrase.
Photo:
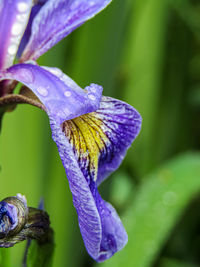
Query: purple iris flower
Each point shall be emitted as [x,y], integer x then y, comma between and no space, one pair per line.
[92,131]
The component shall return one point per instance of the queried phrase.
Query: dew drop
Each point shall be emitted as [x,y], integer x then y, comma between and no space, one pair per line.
[42,91]
[22,7]
[17,28]
[92,97]
[12,49]
[21,17]
[55,71]
[67,93]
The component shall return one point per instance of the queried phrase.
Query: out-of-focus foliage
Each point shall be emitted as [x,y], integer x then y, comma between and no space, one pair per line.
[157,206]
[147,53]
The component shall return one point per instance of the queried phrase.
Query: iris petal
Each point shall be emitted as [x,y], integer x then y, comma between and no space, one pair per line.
[61,96]
[35,9]
[100,139]
[14,16]
[101,227]
[57,19]
[97,143]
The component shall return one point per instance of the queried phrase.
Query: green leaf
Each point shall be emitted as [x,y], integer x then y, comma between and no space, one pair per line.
[158,204]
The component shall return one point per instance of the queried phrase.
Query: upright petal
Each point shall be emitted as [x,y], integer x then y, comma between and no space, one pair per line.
[14,16]
[55,20]
[61,96]
[101,228]
[35,9]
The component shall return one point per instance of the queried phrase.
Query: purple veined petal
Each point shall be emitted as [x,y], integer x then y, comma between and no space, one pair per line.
[121,123]
[61,96]
[93,146]
[14,15]
[35,9]
[57,19]
[100,226]
[100,139]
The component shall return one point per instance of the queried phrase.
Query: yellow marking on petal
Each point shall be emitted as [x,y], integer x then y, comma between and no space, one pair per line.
[93,149]
[97,124]
[87,138]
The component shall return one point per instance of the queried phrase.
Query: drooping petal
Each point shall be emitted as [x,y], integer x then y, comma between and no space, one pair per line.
[89,152]
[61,96]
[92,146]
[101,228]
[105,134]
[57,19]
[14,16]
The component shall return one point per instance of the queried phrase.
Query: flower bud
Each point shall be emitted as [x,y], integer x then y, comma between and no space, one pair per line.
[13,215]
[19,222]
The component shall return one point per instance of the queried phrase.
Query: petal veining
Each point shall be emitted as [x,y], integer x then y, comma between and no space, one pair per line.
[14,15]
[97,143]
[100,226]
[55,20]
[100,139]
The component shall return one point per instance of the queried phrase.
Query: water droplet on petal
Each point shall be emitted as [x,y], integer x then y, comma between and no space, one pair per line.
[12,49]
[42,91]
[22,7]
[17,28]
[21,17]
[92,97]
[55,71]
[67,93]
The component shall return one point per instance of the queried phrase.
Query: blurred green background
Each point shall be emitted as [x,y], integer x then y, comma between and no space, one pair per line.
[148,54]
